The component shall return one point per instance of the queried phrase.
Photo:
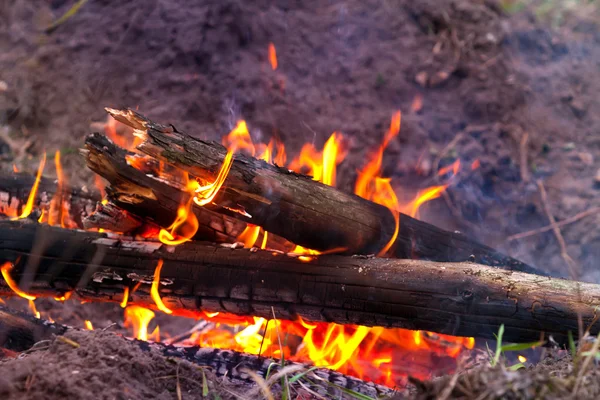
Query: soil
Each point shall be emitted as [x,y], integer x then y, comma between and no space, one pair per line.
[514,93]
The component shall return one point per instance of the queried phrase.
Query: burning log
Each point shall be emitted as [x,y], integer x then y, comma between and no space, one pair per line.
[461,299]
[295,207]
[148,198]
[19,332]
[15,190]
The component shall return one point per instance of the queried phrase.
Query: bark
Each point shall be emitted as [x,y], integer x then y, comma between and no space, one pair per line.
[15,188]
[462,299]
[19,332]
[303,211]
[148,198]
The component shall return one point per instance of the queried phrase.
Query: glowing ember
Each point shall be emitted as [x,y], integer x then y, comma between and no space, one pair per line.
[272,56]
[5,270]
[15,169]
[522,358]
[476,164]
[33,193]
[88,325]
[154,290]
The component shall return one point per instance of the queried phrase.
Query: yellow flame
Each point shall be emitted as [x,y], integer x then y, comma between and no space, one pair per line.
[5,269]
[88,325]
[249,235]
[33,309]
[32,195]
[522,358]
[205,194]
[125,297]
[139,318]
[154,289]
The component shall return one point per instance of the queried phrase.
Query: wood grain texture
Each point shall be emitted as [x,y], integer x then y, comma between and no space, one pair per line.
[463,299]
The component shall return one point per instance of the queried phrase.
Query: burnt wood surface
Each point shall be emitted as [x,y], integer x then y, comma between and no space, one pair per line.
[148,198]
[17,186]
[463,299]
[19,332]
[302,210]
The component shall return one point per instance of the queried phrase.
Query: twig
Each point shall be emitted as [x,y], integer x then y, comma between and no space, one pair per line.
[560,224]
[72,11]
[571,264]
[523,157]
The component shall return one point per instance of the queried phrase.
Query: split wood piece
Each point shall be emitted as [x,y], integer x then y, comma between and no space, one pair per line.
[462,299]
[149,198]
[15,189]
[19,332]
[302,210]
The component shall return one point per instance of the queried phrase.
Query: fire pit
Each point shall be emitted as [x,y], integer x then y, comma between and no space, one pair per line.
[333,304]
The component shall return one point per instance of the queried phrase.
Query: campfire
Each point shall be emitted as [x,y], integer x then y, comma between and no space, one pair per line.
[268,256]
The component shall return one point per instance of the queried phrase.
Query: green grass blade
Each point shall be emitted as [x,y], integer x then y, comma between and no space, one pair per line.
[498,346]
[572,346]
[204,384]
[516,367]
[300,375]
[520,346]
[72,11]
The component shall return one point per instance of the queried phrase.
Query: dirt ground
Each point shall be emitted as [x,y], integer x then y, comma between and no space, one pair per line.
[513,91]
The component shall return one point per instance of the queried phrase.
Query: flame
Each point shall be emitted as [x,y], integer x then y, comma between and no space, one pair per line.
[454,167]
[521,358]
[125,297]
[250,235]
[476,164]
[33,309]
[64,297]
[205,194]
[154,290]
[5,270]
[264,241]
[139,318]
[33,193]
[58,213]
[182,229]
[88,325]
[321,166]
[423,197]
[366,352]
[272,56]
[239,139]
[15,169]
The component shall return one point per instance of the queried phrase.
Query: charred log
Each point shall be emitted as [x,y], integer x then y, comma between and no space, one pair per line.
[301,210]
[149,198]
[462,299]
[15,189]
[19,332]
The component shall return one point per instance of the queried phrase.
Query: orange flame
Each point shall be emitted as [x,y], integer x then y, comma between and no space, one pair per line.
[33,309]
[417,104]
[64,297]
[182,229]
[321,166]
[454,167]
[476,164]
[15,169]
[272,56]
[239,139]
[205,194]
[88,325]
[5,270]
[139,318]
[154,290]
[250,235]
[125,297]
[33,193]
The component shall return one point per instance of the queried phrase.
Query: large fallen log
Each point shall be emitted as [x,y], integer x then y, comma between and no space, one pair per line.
[19,332]
[302,210]
[462,299]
